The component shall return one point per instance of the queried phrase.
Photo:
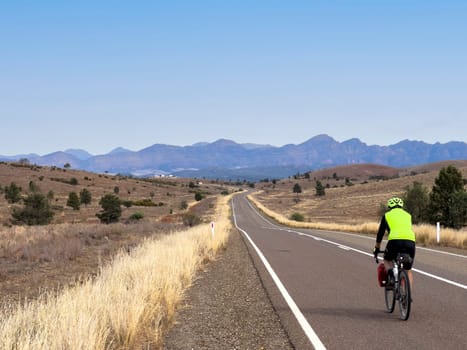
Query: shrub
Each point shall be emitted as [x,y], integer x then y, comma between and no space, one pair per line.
[73,181]
[50,195]
[191,220]
[36,211]
[198,196]
[127,203]
[144,203]
[111,210]
[12,193]
[183,205]
[73,201]
[297,217]
[85,196]
[136,216]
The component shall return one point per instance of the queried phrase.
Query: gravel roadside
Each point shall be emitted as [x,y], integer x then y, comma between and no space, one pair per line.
[227,307]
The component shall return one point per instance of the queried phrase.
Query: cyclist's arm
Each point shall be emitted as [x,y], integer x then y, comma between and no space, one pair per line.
[383,226]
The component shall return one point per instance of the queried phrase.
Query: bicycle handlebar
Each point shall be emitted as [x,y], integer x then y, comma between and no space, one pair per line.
[376,258]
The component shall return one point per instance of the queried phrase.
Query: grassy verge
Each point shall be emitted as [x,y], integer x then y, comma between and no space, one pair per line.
[128,305]
[426,234]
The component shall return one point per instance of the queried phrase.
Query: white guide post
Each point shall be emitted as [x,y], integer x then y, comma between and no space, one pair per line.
[438,232]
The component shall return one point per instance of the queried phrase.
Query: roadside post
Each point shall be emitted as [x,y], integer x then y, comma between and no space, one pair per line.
[438,232]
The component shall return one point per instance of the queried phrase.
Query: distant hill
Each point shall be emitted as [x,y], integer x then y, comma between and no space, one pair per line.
[79,153]
[227,159]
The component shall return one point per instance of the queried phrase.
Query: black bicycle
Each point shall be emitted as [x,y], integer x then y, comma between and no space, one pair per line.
[397,286]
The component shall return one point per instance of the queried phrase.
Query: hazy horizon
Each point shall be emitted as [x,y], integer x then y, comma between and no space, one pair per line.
[201,142]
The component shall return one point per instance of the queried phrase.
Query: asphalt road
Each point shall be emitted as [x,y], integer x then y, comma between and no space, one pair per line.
[329,279]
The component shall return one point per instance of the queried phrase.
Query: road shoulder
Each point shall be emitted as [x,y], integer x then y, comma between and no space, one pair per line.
[227,307]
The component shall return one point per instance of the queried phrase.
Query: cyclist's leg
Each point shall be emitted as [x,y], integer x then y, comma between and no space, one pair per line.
[389,255]
[409,248]
[388,265]
[410,274]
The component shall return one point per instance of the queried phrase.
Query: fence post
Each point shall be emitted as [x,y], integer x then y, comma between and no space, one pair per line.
[438,232]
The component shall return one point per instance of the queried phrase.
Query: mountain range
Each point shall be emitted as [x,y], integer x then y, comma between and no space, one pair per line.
[226,159]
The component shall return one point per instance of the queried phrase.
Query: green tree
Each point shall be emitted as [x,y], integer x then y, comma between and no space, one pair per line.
[446,194]
[33,187]
[85,197]
[36,211]
[73,201]
[50,196]
[297,188]
[416,200]
[12,193]
[111,209]
[320,191]
[458,209]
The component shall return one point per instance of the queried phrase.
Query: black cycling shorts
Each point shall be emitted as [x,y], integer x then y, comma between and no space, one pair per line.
[395,246]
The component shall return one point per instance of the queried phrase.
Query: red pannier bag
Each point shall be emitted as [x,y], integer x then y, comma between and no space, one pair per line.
[381,275]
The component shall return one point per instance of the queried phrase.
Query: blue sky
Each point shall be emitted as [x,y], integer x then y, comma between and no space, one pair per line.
[101,74]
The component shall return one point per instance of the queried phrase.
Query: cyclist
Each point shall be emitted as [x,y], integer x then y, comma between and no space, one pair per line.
[401,238]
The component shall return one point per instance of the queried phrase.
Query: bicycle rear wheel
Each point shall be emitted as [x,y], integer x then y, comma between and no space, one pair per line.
[405,298]
[390,298]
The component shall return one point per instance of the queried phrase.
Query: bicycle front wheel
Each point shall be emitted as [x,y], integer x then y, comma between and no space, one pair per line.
[405,298]
[390,298]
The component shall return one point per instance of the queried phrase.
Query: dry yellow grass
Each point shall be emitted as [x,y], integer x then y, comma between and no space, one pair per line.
[361,228]
[130,303]
[342,204]
[425,234]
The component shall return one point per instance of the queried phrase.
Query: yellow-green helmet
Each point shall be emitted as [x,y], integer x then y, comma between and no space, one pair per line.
[395,202]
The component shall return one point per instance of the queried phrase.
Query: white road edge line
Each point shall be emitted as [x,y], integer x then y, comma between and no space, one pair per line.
[456,284]
[442,279]
[309,332]
[356,234]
